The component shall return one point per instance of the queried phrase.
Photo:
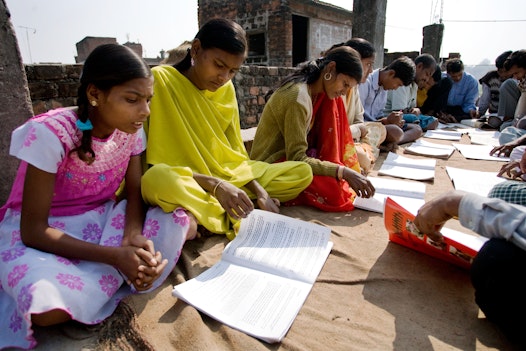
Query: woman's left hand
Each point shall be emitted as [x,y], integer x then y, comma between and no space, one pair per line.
[235,201]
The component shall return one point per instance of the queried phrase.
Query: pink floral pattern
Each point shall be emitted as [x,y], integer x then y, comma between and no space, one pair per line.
[30,137]
[58,224]
[16,275]
[71,281]
[84,207]
[180,217]
[92,233]
[109,284]
[113,241]
[67,261]
[12,254]
[15,322]
[151,227]
[25,298]
[15,237]
[117,222]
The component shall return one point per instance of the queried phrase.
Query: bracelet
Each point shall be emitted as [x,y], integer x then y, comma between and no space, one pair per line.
[339,174]
[217,186]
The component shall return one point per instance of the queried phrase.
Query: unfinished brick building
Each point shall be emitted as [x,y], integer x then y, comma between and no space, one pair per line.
[283,32]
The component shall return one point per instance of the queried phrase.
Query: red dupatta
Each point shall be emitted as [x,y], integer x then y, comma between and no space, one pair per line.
[330,139]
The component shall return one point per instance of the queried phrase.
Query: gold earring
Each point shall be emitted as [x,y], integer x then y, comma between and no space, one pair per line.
[93,103]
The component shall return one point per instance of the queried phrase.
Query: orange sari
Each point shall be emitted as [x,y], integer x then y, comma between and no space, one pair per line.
[330,139]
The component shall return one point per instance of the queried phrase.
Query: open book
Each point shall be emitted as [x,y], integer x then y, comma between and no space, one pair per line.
[409,168]
[477,182]
[407,193]
[443,134]
[458,248]
[264,275]
[479,152]
[425,148]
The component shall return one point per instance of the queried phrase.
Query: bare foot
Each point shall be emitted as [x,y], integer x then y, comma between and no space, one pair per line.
[192,232]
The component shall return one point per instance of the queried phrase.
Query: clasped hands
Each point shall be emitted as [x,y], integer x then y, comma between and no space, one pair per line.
[396,118]
[139,262]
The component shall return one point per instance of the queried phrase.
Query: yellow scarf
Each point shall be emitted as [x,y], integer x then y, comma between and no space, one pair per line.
[197,129]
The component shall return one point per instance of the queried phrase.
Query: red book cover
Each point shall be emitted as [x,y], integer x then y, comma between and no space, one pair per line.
[399,223]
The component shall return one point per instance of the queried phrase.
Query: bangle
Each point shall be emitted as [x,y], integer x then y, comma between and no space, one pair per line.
[339,174]
[217,186]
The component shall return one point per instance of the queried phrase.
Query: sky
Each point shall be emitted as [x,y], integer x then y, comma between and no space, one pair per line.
[47,31]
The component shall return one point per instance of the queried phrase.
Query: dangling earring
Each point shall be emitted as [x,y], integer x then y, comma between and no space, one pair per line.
[327,76]
[93,103]
[192,62]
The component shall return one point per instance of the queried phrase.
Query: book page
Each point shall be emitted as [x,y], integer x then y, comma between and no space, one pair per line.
[280,245]
[407,193]
[259,304]
[477,182]
[377,203]
[484,137]
[422,147]
[443,134]
[479,152]
[409,168]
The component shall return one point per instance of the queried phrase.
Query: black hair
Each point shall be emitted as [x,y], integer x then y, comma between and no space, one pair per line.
[517,58]
[106,66]
[364,48]
[404,69]
[218,33]
[499,61]
[454,65]
[347,61]
[426,60]
[437,75]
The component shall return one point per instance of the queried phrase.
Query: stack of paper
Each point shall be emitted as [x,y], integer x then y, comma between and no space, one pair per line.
[473,181]
[409,168]
[484,137]
[443,134]
[409,194]
[479,152]
[425,148]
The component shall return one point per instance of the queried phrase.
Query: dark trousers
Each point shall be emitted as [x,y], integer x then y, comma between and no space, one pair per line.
[498,275]
[457,112]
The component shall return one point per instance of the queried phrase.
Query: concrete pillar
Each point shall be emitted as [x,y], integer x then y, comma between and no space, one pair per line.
[369,24]
[432,39]
[14,98]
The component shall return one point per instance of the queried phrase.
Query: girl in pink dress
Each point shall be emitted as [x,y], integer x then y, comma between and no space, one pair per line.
[68,248]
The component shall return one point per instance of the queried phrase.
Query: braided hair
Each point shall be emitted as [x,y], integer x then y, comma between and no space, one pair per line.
[107,66]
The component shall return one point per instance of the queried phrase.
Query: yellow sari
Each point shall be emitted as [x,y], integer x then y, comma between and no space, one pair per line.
[192,130]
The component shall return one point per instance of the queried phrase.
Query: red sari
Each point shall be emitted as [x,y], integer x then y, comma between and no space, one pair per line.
[330,139]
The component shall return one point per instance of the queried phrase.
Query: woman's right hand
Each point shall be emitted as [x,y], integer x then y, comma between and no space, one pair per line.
[359,183]
[234,200]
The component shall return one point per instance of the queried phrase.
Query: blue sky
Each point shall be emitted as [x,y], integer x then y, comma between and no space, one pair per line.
[47,31]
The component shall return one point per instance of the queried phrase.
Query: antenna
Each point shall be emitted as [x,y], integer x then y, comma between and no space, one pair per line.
[27,29]
[441,11]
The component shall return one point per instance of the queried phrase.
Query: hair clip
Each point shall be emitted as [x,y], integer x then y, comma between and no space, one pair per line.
[84,125]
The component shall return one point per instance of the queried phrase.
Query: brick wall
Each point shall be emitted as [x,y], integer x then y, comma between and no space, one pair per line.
[328,25]
[53,86]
